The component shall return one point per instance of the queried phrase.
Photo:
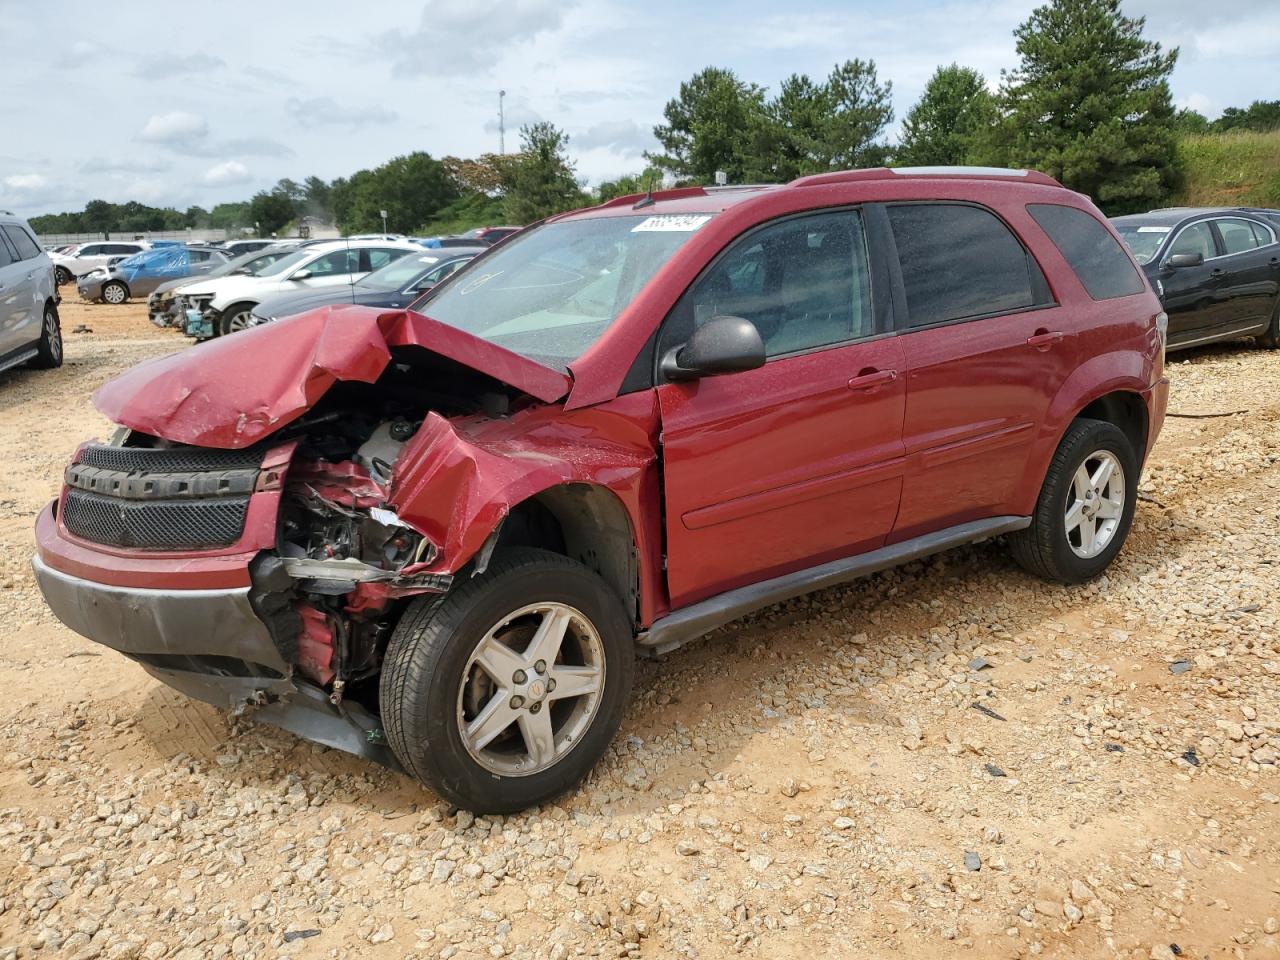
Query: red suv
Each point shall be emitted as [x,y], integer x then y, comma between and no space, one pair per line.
[438,537]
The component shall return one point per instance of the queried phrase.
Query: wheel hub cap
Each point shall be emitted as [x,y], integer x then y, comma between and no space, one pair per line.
[1095,504]
[531,689]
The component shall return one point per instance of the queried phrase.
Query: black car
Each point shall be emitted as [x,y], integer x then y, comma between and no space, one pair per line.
[396,285]
[1217,270]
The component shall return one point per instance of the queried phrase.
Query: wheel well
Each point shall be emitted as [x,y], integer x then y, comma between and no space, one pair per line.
[1126,411]
[588,524]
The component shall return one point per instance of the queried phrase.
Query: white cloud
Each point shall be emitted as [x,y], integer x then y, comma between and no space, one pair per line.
[170,65]
[26,182]
[229,172]
[1198,102]
[175,127]
[469,35]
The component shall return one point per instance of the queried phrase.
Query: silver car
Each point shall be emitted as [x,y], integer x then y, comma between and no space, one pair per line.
[140,276]
[29,328]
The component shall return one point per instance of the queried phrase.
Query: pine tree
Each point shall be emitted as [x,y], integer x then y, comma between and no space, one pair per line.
[715,123]
[951,115]
[1089,104]
[541,182]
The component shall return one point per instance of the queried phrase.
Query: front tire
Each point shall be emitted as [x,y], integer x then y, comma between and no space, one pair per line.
[1085,508]
[49,347]
[234,319]
[115,292]
[506,691]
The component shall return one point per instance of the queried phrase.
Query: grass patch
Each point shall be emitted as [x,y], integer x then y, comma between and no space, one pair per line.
[1241,168]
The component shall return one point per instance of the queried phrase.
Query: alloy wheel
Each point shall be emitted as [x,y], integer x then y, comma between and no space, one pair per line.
[113,293]
[1095,504]
[531,688]
[238,321]
[53,335]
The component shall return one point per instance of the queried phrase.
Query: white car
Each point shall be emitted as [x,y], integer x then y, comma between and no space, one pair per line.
[79,259]
[223,305]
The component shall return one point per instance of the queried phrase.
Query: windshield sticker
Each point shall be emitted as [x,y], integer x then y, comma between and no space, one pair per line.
[1154,229]
[685,223]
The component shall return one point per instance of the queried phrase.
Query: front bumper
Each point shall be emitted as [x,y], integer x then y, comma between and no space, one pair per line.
[90,288]
[206,642]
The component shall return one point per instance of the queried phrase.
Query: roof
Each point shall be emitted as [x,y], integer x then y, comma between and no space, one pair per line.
[717,199]
[1172,216]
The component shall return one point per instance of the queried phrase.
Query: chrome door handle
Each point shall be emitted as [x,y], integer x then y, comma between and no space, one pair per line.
[868,380]
[1044,339]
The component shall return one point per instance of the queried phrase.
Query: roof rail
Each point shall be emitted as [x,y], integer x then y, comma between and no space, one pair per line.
[888,173]
[676,193]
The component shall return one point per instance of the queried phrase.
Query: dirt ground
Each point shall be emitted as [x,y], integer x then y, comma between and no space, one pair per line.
[948,760]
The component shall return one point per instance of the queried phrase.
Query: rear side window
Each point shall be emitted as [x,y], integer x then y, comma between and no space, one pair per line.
[1237,236]
[960,262]
[1089,248]
[22,242]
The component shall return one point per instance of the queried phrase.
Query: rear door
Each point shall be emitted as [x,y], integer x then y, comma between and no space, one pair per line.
[986,349]
[798,462]
[1247,270]
[16,292]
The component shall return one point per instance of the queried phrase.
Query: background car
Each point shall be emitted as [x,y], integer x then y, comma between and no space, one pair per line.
[396,285]
[29,328]
[84,257]
[140,274]
[224,305]
[162,305]
[237,247]
[490,235]
[1217,270]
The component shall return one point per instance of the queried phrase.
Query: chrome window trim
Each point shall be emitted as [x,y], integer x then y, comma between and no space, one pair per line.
[1209,221]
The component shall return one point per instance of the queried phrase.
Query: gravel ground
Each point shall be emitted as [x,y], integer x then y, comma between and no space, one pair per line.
[951,759]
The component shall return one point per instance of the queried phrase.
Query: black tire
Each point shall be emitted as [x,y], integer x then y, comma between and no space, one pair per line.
[1271,339]
[1044,548]
[49,347]
[115,292]
[230,318]
[428,658]
[62,276]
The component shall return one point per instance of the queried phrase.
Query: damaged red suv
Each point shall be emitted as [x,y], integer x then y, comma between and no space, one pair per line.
[439,537]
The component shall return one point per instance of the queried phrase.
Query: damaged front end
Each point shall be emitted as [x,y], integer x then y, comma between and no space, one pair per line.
[240,539]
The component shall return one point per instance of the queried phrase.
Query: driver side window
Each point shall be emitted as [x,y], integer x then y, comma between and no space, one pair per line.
[337,262]
[1197,238]
[804,282]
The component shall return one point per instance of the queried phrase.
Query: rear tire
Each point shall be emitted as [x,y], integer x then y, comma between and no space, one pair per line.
[115,292]
[1081,522]
[234,319]
[468,687]
[1271,339]
[62,275]
[49,347]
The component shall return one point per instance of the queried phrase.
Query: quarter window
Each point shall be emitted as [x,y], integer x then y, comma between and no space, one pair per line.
[1197,238]
[1237,236]
[1262,234]
[804,282]
[960,262]
[1089,249]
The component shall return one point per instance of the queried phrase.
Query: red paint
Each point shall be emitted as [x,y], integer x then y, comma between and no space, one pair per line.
[347,484]
[729,479]
[315,645]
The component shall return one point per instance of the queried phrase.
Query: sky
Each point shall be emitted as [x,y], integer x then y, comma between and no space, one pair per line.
[142,101]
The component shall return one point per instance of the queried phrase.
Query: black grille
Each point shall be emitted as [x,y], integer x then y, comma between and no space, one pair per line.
[169,460]
[155,524]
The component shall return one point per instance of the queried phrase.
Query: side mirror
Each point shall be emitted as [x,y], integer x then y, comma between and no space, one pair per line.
[1180,260]
[301,275]
[721,345]
[422,287]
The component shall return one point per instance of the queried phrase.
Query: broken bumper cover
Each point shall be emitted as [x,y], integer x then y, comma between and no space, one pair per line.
[210,645]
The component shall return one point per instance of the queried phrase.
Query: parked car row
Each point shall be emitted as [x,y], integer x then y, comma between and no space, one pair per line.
[1216,270]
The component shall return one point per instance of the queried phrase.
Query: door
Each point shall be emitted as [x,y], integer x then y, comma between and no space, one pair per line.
[335,268]
[986,349]
[88,257]
[1248,268]
[797,462]
[1193,296]
[21,304]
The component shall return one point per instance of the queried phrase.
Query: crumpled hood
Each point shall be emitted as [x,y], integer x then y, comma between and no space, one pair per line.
[235,390]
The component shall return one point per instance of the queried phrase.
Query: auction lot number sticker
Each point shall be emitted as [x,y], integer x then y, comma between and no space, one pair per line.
[671,223]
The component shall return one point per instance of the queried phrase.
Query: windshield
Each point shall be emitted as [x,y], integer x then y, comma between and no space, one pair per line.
[1143,241]
[550,295]
[396,274]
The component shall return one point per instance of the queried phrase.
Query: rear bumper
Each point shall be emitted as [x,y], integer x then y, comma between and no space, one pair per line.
[210,645]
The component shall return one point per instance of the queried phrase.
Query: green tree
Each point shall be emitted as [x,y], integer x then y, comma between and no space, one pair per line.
[317,195]
[412,189]
[230,216]
[1089,104]
[1188,121]
[195,217]
[542,181]
[716,123]
[945,124]
[1261,115]
[861,110]
[271,211]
